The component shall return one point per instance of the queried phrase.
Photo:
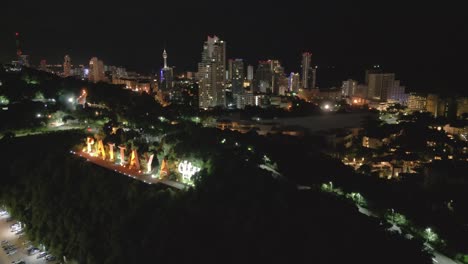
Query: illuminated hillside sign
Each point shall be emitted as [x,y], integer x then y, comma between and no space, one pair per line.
[120,155]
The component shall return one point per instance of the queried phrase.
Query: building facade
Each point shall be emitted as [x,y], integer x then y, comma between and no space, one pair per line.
[378,84]
[66,66]
[166,80]
[96,70]
[211,73]
[417,102]
[308,72]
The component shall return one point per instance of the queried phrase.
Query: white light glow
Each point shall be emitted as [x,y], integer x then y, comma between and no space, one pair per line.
[187,169]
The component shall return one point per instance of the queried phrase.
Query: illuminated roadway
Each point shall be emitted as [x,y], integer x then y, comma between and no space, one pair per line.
[438,258]
[128,172]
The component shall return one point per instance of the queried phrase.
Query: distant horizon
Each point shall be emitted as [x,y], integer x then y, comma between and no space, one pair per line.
[423,44]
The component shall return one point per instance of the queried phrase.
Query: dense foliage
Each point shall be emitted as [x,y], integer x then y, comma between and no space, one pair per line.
[236,213]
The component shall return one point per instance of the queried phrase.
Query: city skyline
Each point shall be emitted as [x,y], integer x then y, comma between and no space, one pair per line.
[346,39]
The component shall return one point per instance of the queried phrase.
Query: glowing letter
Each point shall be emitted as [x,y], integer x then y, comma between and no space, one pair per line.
[187,169]
[122,155]
[164,170]
[148,164]
[100,149]
[111,151]
[89,142]
[134,160]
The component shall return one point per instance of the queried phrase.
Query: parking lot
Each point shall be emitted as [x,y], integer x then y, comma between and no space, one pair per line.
[14,247]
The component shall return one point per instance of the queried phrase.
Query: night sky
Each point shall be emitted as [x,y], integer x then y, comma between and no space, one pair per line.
[425,44]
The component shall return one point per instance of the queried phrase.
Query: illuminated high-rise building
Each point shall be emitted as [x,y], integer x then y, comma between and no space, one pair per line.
[280,82]
[166,76]
[349,88]
[379,84]
[96,70]
[294,82]
[66,66]
[270,77]
[236,75]
[250,72]
[308,72]
[264,77]
[396,93]
[22,59]
[211,73]
[417,102]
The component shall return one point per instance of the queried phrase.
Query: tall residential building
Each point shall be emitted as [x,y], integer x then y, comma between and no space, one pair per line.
[378,84]
[396,93]
[349,88]
[250,72]
[294,82]
[66,66]
[450,107]
[264,77]
[236,76]
[432,104]
[308,72]
[417,102]
[280,82]
[166,80]
[211,73]
[96,70]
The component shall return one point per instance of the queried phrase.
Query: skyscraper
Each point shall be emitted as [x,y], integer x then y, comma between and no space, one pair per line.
[349,87]
[96,70]
[294,82]
[22,59]
[264,77]
[66,66]
[280,82]
[211,73]
[167,75]
[308,72]
[250,72]
[378,84]
[396,93]
[236,75]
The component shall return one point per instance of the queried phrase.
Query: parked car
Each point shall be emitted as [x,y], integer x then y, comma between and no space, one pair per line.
[33,251]
[41,255]
[11,252]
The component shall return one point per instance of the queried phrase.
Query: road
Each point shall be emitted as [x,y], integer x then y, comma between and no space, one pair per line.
[438,258]
[133,173]
[6,234]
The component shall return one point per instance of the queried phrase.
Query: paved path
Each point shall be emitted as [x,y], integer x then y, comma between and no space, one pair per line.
[133,173]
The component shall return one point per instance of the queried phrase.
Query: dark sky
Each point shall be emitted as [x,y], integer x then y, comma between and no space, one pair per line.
[425,44]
